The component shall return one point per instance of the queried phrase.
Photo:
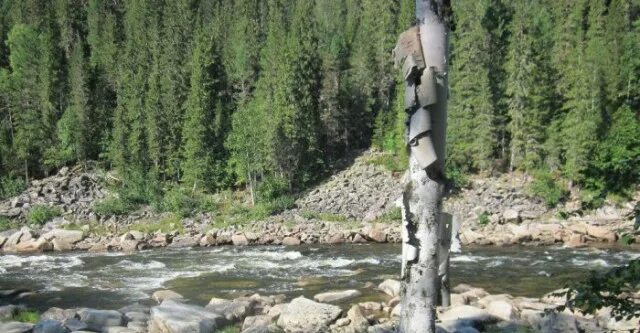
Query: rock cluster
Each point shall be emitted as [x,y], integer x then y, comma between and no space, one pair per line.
[73,191]
[472,310]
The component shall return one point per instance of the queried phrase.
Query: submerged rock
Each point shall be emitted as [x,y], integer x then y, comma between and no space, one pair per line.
[336,296]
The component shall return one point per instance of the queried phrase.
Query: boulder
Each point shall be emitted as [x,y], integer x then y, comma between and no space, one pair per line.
[556,323]
[161,295]
[8,311]
[467,313]
[16,327]
[576,240]
[119,329]
[231,310]
[176,317]
[186,241]
[602,233]
[303,315]
[275,311]
[23,235]
[336,296]
[75,325]
[357,321]
[3,239]
[129,245]
[49,326]
[30,246]
[254,323]
[99,320]
[239,240]
[502,309]
[377,234]
[511,216]
[291,241]
[64,236]
[58,314]
[390,287]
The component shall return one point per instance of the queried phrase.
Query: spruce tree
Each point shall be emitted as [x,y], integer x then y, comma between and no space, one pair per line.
[471,136]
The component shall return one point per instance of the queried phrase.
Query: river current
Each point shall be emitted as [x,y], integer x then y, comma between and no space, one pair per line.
[112,280]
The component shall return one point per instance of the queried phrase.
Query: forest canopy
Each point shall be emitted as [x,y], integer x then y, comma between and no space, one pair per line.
[215,94]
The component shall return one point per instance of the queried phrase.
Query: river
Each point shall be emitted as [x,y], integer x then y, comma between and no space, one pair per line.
[112,280]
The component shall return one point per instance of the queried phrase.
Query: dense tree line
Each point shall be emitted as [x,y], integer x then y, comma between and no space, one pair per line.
[212,94]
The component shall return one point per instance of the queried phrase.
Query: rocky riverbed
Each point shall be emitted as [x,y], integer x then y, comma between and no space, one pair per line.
[472,310]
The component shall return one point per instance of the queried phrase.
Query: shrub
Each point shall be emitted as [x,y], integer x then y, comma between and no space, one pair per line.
[391,162]
[177,200]
[483,219]
[6,224]
[113,206]
[546,188]
[165,224]
[271,189]
[456,177]
[41,214]
[27,316]
[394,215]
[11,186]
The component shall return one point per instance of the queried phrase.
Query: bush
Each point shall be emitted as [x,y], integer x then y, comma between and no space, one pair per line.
[456,178]
[177,200]
[11,186]
[114,206]
[391,162]
[272,189]
[546,188]
[483,219]
[6,224]
[40,215]
[26,316]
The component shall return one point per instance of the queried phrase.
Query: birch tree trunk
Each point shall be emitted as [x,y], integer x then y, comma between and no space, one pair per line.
[422,197]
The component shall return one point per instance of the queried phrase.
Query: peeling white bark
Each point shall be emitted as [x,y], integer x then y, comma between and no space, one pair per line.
[422,235]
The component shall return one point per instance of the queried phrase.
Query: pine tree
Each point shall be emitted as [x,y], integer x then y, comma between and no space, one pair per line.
[585,95]
[177,19]
[75,142]
[528,85]
[471,135]
[200,141]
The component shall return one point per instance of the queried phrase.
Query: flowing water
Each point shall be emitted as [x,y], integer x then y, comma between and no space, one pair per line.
[115,279]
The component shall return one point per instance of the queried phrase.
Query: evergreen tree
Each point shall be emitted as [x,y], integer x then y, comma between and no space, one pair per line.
[471,135]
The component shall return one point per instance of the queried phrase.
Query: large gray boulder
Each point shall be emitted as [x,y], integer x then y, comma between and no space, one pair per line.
[467,313]
[231,310]
[63,239]
[176,317]
[303,315]
[99,320]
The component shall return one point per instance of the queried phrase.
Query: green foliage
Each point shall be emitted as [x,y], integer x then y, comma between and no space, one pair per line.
[391,162]
[613,289]
[40,215]
[168,223]
[11,186]
[180,93]
[483,219]
[392,216]
[545,187]
[27,316]
[6,224]
[230,329]
[456,178]
[114,205]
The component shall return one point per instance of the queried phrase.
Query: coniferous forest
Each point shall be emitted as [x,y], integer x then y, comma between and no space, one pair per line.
[208,95]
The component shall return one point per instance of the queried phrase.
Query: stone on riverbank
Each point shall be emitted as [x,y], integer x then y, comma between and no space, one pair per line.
[49,326]
[16,327]
[336,296]
[161,295]
[176,317]
[99,320]
[231,310]
[390,287]
[303,315]
[467,313]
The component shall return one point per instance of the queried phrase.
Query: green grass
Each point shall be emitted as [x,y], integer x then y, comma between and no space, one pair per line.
[229,329]
[93,228]
[165,224]
[391,162]
[392,216]
[27,316]
[40,215]
[6,224]
[483,219]
[113,206]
